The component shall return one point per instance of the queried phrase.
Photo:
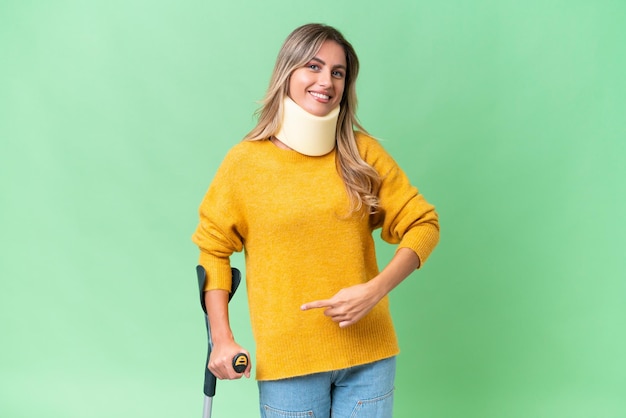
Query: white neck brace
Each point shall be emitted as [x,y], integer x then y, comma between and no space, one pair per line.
[306,133]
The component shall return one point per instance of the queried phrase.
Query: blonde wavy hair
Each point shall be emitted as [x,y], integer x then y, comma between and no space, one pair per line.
[361,180]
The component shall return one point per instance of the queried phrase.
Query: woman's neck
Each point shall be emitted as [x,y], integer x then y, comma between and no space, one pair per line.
[279,143]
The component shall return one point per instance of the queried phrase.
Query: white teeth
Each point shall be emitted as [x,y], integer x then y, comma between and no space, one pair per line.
[319,95]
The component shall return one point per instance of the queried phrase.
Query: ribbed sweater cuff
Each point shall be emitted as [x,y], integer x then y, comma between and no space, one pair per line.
[218,272]
[421,240]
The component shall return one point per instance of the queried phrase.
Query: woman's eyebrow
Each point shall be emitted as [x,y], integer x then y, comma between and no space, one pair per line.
[323,63]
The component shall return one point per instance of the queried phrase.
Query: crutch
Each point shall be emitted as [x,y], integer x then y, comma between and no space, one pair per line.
[240,361]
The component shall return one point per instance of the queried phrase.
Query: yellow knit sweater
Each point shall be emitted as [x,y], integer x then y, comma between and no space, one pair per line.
[288,211]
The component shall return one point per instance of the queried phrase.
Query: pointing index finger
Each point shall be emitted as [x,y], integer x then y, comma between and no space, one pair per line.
[315,305]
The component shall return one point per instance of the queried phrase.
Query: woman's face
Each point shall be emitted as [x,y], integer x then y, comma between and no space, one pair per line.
[318,86]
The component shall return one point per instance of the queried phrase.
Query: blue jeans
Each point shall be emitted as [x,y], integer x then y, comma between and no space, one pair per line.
[363,391]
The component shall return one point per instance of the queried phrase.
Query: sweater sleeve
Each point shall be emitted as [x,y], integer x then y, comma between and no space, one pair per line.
[405,217]
[219,232]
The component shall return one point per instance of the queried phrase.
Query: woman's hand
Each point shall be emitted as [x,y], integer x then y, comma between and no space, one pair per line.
[348,305]
[221,360]
[351,304]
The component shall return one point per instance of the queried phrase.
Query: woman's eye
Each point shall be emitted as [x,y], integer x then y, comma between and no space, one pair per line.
[337,74]
[314,66]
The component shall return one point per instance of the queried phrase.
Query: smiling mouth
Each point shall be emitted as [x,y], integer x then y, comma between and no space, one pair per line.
[319,95]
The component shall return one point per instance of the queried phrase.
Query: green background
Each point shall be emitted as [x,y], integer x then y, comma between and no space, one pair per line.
[508,115]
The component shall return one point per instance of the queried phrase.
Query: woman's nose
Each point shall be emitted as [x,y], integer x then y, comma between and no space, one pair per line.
[324,78]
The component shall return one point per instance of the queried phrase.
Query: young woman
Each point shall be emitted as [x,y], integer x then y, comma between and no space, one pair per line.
[302,195]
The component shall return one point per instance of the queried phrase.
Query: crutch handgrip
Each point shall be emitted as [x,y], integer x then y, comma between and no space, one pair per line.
[240,362]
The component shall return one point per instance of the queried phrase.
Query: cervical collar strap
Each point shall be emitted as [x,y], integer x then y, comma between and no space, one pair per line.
[306,133]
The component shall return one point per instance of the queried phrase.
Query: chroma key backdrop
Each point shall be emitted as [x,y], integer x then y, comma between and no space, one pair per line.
[509,116]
